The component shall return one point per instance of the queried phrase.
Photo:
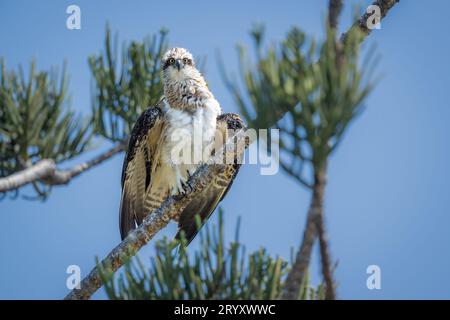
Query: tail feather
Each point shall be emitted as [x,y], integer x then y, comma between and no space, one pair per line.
[203,206]
[127,222]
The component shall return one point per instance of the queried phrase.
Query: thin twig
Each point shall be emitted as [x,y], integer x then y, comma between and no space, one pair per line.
[297,175]
[47,172]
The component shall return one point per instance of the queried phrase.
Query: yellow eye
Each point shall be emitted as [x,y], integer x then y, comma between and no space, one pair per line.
[187,61]
[171,61]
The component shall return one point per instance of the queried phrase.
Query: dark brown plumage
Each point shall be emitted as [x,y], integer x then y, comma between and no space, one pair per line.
[131,211]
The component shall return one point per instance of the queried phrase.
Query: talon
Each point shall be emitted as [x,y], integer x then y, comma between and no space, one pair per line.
[187,187]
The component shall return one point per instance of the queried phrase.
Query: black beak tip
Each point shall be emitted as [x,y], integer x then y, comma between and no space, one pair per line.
[178,64]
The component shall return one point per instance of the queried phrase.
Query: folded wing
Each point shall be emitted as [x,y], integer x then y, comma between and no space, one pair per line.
[136,171]
[204,204]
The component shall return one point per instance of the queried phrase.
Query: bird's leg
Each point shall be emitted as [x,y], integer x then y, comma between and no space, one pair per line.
[179,181]
[187,187]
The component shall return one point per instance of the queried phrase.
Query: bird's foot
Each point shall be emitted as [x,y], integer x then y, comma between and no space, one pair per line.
[183,186]
[182,190]
[178,187]
[187,187]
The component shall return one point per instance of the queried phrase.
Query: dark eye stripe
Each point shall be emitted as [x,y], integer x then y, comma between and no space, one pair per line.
[171,61]
[187,61]
[168,63]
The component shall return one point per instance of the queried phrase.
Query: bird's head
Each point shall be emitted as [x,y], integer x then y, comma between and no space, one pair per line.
[178,65]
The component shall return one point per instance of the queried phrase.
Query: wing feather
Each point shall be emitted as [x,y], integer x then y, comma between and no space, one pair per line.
[205,203]
[136,170]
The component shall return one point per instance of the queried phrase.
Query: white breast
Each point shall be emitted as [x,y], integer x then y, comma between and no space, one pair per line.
[188,136]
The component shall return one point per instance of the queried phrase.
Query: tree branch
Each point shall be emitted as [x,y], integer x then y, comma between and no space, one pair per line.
[334,10]
[47,172]
[361,23]
[296,276]
[160,217]
[296,175]
[330,293]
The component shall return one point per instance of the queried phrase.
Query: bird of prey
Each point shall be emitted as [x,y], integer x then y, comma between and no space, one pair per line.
[188,117]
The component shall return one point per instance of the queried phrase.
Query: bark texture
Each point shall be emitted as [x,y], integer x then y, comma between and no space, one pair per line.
[47,172]
[297,275]
[361,23]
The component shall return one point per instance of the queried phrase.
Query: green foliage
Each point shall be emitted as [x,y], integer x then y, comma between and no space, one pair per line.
[318,88]
[122,92]
[214,271]
[36,121]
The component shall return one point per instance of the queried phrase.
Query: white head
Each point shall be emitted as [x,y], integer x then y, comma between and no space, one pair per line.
[178,65]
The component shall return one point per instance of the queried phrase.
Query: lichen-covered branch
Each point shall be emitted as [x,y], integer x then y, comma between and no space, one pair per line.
[47,172]
[159,218]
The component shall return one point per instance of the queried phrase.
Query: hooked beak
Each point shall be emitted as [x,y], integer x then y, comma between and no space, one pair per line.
[179,64]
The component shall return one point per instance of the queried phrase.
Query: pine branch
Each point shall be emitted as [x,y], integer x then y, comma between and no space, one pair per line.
[36,124]
[216,270]
[46,171]
[315,222]
[159,218]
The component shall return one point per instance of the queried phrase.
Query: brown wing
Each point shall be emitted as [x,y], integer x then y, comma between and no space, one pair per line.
[205,203]
[136,171]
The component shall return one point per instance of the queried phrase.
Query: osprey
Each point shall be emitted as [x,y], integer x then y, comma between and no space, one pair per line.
[185,122]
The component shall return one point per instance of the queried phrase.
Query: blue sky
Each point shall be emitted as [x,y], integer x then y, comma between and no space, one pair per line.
[387,200]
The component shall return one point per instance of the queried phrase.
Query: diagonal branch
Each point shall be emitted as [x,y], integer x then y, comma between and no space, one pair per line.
[159,218]
[297,175]
[47,172]
[361,23]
